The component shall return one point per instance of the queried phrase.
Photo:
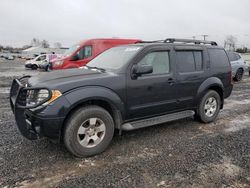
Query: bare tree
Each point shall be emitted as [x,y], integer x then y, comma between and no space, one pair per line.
[230,43]
[45,44]
[35,42]
[57,45]
[9,48]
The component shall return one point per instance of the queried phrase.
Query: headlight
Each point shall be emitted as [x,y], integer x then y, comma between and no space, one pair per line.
[58,63]
[36,97]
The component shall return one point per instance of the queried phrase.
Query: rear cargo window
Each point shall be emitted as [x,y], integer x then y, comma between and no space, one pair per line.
[218,58]
[189,61]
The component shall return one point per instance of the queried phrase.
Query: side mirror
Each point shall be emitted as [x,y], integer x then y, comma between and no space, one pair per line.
[75,57]
[139,70]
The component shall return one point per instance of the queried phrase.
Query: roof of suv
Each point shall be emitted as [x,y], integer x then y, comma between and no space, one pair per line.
[179,42]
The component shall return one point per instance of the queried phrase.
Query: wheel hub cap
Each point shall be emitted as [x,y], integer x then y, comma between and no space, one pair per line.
[91,132]
[210,106]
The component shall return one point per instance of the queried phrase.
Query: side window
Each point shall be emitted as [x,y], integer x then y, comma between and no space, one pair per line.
[232,56]
[218,58]
[85,52]
[41,58]
[158,60]
[198,60]
[237,56]
[189,61]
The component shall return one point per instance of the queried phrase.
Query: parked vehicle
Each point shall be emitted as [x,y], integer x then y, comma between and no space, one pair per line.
[246,57]
[9,57]
[126,88]
[41,61]
[238,65]
[80,54]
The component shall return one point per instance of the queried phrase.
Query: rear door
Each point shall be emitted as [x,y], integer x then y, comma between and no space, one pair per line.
[190,67]
[152,94]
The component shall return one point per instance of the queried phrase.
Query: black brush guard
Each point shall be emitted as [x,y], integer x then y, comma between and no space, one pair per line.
[18,103]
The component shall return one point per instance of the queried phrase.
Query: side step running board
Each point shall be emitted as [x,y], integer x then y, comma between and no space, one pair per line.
[156,120]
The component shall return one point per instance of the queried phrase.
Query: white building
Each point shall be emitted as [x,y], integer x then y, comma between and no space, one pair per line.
[37,50]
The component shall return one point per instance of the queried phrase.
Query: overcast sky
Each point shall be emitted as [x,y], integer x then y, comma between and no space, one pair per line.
[69,21]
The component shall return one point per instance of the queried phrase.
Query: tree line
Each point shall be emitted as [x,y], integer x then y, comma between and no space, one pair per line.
[35,42]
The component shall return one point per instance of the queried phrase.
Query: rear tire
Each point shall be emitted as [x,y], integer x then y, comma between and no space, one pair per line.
[209,107]
[88,131]
[239,75]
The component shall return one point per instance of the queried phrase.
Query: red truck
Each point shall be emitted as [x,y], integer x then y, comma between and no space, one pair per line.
[80,54]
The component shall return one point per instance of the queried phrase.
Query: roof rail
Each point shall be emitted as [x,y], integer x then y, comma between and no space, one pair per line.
[172,40]
[153,41]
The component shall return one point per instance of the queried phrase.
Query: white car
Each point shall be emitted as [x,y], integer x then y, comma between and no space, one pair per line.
[39,61]
[238,65]
[9,57]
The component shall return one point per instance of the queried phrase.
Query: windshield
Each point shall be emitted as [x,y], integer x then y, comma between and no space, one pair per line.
[114,58]
[69,51]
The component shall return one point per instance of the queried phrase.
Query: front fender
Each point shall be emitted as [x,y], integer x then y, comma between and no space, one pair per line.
[83,94]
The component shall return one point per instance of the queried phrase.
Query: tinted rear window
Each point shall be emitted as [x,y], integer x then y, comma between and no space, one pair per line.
[218,58]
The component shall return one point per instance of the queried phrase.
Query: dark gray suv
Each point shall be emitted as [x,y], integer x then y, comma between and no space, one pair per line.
[125,88]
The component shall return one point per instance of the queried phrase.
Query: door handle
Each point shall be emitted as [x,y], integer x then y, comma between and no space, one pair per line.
[171,81]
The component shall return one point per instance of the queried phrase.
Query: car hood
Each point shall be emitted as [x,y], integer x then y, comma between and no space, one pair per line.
[65,80]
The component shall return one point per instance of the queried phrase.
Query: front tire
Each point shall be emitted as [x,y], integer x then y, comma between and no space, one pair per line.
[88,131]
[209,107]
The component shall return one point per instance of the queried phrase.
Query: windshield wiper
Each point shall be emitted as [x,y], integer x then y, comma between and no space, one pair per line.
[98,68]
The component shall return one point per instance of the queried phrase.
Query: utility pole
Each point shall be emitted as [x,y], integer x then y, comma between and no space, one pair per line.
[204,36]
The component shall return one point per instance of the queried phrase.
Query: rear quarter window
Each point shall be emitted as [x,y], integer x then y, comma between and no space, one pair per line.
[218,58]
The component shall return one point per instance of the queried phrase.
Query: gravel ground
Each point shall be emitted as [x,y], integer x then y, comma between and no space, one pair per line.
[183,153]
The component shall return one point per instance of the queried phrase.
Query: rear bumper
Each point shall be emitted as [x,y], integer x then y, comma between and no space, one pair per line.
[228,91]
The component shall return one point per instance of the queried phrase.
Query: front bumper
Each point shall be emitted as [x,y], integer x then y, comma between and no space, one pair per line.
[39,122]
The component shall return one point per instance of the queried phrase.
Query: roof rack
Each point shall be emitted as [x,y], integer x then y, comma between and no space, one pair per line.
[173,40]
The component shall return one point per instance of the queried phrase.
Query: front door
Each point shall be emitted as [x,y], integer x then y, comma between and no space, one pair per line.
[154,93]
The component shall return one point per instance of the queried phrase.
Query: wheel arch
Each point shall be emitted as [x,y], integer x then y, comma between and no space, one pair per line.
[103,97]
[212,83]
